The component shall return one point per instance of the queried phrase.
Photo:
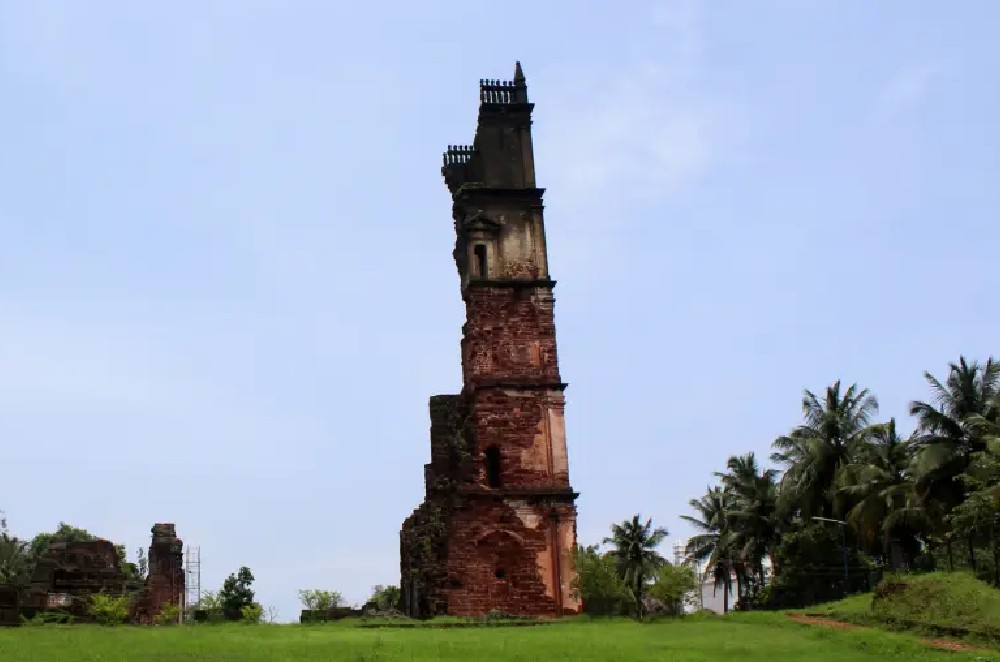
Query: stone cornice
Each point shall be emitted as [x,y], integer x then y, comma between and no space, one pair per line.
[555,493]
[516,283]
[479,191]
[516,385]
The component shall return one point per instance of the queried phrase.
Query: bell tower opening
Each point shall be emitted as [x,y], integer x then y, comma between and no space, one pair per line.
[482,265]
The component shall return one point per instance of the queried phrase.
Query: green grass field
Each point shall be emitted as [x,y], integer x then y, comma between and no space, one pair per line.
[745,637]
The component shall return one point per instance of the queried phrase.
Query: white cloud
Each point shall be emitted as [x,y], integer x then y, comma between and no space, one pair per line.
[907,87]
[636,137]
[641,133]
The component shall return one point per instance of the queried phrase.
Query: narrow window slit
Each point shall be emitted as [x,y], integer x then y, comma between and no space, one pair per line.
[493,466]
[481,263]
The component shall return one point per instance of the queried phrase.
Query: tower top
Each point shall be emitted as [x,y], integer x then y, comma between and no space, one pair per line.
[496,92]
[500,156]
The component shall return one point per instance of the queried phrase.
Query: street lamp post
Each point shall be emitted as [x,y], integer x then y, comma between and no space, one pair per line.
[843,545]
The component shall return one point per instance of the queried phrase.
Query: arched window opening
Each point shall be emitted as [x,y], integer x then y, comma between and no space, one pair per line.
[493,466]
[481,264]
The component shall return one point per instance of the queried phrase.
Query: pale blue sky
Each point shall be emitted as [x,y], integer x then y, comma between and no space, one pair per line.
[226,284]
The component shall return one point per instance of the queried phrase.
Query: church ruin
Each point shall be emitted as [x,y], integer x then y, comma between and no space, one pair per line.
[497,527]
[68,573]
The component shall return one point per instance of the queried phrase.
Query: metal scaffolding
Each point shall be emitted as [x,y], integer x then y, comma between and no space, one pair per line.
[192,577]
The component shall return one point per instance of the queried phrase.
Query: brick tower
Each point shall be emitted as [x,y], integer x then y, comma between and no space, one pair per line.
[497,527]
[165,582]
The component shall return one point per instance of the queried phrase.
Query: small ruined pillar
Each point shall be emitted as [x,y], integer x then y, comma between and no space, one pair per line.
[165,583]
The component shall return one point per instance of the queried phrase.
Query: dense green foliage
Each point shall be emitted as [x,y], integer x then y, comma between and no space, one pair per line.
[854,492]
[598,583]
[812,568]
[674,587]
[631,577]
[16,563]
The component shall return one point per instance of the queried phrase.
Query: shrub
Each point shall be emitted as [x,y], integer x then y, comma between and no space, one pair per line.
[209,608]
[251,613]
[169,614]
[47,617]
[109,610]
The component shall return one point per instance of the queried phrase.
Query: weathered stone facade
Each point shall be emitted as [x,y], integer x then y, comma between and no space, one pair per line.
[497,527]
[69,572]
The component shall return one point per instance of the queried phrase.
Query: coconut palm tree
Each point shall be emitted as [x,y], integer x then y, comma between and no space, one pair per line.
[834,430]
[987,424]
[950,426]
[751,513]
[713,547]
[634,551]
[951,431]
[879,484]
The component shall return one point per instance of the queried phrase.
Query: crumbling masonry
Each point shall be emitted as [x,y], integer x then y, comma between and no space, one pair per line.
[68,573]
[165,583]
[497,527]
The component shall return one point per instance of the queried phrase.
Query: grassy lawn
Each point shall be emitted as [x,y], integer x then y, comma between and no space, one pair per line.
[744,637]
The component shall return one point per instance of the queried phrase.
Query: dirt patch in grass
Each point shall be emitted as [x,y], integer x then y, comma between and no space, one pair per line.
[940,644]
[826,622]
[950,645]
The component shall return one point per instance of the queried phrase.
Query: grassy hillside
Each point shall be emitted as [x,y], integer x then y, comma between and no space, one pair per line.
[940,603]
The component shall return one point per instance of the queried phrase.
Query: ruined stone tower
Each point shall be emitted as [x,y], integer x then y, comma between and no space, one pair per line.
[165,583]
[497,527]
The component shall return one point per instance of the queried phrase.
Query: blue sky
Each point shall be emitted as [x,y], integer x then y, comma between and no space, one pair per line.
[226,284]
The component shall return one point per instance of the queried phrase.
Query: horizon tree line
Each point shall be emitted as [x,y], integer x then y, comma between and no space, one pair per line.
[896,502]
